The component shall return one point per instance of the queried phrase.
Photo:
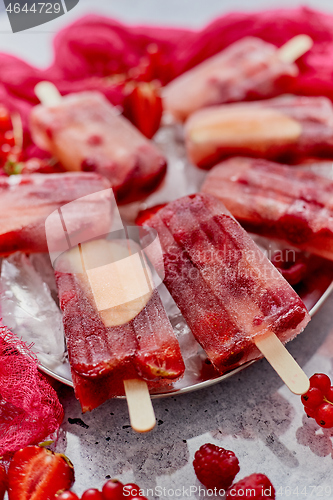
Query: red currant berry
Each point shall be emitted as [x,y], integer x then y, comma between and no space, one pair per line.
[132,488]
[324,416]
[67,495]
[139,498]
[329,394]
[92,494]
[5,121]
[258,484]
[311,412]
[215,467]
[313,398]
[321,381]
[113,490]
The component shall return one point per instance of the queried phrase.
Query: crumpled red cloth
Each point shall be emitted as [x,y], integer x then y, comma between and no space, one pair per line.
[94,48]
[29,407]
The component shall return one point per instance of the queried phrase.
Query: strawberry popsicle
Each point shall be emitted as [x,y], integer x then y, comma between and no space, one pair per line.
[115,325]
[228,292]
[85,132]
[248,69]
[27,200]
[285,129]
[277,201]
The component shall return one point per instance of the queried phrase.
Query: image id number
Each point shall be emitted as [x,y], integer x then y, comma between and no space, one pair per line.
[35,8]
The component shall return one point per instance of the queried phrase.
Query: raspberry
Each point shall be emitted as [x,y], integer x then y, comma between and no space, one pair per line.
[215,467]
[256,487]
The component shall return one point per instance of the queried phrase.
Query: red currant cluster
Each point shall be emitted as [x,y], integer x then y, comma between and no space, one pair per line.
[318,401]
[216,469]
[112,490]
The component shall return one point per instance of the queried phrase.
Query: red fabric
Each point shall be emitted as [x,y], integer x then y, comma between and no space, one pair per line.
[29,407]
[94,48]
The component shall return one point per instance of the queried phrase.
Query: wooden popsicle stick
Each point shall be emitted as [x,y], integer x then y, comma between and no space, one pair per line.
[283,363]
[295,48]
[140,408]
[48,94]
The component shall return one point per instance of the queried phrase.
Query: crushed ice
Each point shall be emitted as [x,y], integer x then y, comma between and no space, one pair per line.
[28,308]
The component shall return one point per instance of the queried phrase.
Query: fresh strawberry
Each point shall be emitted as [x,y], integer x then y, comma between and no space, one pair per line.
[143,107]
[145,215]
[36,473]
[3,481]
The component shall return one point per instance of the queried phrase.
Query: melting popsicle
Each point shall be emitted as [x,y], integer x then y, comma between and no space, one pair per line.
[248,69]
[233,299]
[278,201]
[117,331]
[85,132]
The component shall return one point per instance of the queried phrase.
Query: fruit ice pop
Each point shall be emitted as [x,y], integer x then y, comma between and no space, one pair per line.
[227,290]
[85,132]
[278,201]
[115,324]
[248,69]
[26,201]
[284,129]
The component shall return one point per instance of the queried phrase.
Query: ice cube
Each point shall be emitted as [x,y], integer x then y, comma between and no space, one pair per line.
[28,309]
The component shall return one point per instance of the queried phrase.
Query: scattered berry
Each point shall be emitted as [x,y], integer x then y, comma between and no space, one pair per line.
[320,381]
[318,401]
[329,394]
[215,467]
[39,473]
[67,495]
[256,487]
[131,488]
[113,490]
[313,398]
[92,494]
[324,415]
[143,107]
[311,412]
[146,214]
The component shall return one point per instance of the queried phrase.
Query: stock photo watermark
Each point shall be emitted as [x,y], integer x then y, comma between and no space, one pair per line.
[25,14]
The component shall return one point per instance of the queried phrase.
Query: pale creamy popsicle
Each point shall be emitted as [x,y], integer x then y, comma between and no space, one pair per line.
[278,201]
[248,69]
[227,290]
[85,132]
[285,129]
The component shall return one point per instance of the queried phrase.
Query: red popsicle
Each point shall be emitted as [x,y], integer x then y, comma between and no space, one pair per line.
[277,201]
[231,296]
